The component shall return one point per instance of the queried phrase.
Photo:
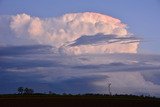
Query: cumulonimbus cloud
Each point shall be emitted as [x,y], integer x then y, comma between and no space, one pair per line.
[62,31]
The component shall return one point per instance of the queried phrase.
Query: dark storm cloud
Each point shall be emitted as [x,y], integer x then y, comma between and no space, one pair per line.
[12,63]
[23,50]
[26,57]
[37,66]
[98,38]
[99,66]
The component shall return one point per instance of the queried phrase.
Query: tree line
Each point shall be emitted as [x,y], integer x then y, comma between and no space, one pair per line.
[23,90]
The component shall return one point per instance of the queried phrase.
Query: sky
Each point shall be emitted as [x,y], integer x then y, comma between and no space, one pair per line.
[140,16]
[80,46]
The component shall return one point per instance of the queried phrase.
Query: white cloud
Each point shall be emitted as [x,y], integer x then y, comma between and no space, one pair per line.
[61,31]
[35,27]
[19,24]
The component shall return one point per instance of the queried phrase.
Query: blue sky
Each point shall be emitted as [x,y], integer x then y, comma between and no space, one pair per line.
[142,16]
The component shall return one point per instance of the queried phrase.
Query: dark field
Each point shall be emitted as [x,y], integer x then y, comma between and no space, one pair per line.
[77,101]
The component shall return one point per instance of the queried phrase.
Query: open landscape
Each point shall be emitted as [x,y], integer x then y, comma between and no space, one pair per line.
[53,52]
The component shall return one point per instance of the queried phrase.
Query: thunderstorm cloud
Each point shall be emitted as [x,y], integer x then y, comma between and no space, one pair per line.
[74,53]
[110,34]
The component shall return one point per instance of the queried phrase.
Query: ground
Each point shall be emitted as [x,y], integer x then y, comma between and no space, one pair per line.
[77,101]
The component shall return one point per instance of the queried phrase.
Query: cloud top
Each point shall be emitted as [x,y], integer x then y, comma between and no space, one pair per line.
[61,31]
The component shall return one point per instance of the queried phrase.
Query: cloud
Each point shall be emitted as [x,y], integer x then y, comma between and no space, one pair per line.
[87,39]
[24,50]
[59,32]
[129,82]
[31,65]
[100,44]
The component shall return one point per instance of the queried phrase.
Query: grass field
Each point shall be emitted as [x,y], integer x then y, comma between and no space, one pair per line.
[77,101]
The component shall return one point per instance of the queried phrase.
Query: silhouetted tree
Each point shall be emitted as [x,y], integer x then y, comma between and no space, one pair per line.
[20,90]
[28,91]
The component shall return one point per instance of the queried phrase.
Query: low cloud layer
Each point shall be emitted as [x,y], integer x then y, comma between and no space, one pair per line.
[36,66]
[62,31]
